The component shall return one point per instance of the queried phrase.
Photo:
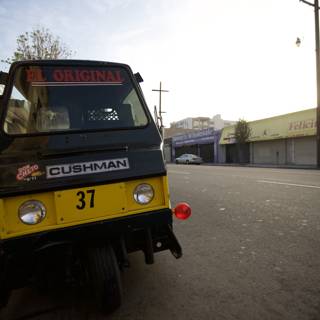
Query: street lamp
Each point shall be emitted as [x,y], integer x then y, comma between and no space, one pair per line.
[298,42]
[316,23]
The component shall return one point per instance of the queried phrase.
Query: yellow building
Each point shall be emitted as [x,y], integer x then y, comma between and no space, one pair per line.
[288,139]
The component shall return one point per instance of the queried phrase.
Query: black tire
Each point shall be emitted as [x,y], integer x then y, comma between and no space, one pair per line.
[104,275]
[177,162]
[4,297]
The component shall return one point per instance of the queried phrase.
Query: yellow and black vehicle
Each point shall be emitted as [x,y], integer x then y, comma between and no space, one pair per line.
[82,177]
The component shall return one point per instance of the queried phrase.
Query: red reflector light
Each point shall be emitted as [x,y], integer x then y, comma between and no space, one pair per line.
[182,211]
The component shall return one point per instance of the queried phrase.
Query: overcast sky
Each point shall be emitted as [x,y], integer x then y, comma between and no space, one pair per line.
[236,57]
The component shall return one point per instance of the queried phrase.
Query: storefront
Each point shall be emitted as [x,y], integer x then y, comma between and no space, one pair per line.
[286,139]
[203,143]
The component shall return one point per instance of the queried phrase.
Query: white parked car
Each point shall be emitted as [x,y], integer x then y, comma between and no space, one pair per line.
[189,159]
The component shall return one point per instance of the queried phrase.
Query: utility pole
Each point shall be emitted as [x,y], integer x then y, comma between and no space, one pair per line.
[316,23]
[160,90]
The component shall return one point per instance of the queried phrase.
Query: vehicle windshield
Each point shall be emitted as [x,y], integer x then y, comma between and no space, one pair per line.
[52,98]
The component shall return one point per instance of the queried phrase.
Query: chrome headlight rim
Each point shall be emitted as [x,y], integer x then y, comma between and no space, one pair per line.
[138,192]
[32,212]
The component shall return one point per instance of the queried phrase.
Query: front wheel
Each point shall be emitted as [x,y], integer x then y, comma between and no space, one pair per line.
[4,297]
[104,275]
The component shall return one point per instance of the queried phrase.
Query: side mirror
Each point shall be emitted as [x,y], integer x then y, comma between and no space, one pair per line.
[138,77]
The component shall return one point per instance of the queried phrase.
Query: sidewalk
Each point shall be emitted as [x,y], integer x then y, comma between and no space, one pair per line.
[281,166]
[250,165]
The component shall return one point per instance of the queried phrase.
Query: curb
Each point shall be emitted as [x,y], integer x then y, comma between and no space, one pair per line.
[310,167]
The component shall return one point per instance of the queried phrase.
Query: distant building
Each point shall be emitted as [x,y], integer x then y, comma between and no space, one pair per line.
[201,123]
[172,131]
[218,123]
[204,143]
[288,139]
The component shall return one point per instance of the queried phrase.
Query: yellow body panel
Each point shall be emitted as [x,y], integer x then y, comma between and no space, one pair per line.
[110,201]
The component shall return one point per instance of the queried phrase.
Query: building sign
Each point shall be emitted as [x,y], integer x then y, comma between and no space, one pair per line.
[198,137]
[296,124]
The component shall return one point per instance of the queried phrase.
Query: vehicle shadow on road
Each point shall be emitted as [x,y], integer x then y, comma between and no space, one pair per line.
[65,303]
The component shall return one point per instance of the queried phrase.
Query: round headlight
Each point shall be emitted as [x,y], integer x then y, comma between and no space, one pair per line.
[143,193]
[32,212]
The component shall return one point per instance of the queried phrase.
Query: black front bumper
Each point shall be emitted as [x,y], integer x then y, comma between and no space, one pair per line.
[149,232]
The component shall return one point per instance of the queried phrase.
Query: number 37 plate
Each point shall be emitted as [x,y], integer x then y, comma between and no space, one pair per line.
[89,203]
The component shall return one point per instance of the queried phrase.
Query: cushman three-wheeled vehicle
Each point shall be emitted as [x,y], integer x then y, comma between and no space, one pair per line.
[82,177]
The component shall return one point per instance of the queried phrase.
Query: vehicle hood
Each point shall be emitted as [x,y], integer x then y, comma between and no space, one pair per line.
[37,164]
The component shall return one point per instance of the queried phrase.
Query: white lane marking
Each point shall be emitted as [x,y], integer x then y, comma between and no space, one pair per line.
[289,184]
[180,172]
[297,171]
[282,180]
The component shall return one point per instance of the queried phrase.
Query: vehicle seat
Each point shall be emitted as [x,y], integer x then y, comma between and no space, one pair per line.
[16,119]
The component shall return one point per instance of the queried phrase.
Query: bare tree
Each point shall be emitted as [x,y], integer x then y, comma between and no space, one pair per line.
[242,134]
[40,44]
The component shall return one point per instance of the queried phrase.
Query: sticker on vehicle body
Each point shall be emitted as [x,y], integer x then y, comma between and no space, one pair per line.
[82,168]
[29,172]
[74,77]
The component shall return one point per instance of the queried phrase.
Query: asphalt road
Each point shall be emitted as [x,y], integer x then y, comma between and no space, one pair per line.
[251,251]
